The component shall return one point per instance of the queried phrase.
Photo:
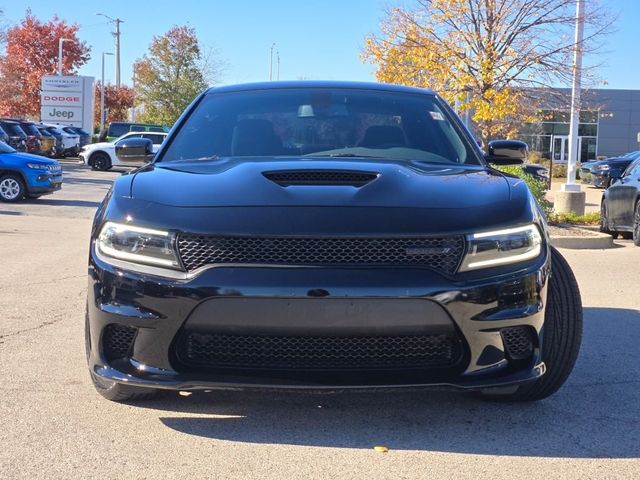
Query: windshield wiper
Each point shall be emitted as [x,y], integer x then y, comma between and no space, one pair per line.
[343,155]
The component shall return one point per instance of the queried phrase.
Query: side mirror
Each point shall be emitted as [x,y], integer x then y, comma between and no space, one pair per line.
[135,150]
[614,176]
[507,152]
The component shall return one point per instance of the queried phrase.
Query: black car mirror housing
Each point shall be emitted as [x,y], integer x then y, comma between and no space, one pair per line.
[135,150]
[507,152]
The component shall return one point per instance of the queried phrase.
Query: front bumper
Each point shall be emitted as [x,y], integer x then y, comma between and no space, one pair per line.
[42,183]
[161,309]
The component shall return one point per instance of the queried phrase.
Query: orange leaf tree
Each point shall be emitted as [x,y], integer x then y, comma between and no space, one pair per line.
[117,102]
[31,52]
[486,56]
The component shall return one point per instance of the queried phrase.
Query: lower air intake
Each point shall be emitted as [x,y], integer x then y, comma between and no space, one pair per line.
[318,353]
[118,341]
[518,341]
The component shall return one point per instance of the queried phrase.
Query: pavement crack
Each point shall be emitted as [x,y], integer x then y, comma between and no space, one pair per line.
[44,282]
[31,329]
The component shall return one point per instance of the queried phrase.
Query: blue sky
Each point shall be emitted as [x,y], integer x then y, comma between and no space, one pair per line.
[316,39]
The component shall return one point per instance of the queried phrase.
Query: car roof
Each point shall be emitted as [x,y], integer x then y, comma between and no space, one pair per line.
[387,87]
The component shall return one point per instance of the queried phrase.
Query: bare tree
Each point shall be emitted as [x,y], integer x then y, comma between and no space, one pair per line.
[487,56]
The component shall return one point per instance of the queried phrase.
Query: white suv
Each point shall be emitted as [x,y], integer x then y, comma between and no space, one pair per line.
[102,156]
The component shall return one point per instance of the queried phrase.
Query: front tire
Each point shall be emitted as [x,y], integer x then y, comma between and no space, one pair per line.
[561,335]
[636,225]
[100,161]
[604,224]
[116,392]
[12,188]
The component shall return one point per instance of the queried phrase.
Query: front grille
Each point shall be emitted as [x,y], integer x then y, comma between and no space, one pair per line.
[118,340]
[318,353]
[438,253]
[518,341]
[286,178]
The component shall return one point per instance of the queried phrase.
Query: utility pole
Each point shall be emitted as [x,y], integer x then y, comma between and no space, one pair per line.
[271,62]
[571,198]
[116,35]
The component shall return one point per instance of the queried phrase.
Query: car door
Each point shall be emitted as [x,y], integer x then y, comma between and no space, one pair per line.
[622,195]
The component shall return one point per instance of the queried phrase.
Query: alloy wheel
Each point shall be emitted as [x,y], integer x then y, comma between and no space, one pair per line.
[9,188]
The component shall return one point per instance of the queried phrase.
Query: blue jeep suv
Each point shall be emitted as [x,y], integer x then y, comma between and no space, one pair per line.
[25,175]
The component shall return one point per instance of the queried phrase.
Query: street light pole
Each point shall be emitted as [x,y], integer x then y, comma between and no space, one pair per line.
[102,119]
[60,42]
[571,198]
[271,62]
[575,96]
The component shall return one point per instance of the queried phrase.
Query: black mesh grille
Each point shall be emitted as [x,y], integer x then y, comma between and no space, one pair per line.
[439,253]
[118,340]
[321,177]
[318,353]
[518,341]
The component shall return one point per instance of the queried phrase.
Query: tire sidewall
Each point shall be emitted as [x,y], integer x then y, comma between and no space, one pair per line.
[20,182]
[103,158]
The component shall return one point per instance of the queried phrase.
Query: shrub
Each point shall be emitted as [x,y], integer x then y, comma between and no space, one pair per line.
[559,171]
[538,187]
[591,218]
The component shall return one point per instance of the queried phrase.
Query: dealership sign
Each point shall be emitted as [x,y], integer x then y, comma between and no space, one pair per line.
[67,101]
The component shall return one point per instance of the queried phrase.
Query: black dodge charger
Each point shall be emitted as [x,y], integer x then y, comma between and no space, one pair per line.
[326,236]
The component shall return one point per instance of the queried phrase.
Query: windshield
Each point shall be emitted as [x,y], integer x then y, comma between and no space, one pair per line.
[4,148]
[321,122]
[14,129]
[30,129]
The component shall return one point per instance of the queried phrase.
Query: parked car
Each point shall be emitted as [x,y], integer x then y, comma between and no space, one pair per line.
[48,141]
[117,129]
[4,136]
[325,235]
[34,137]
[68,143]
[539,172]
[600,171]
[26,175]
[620,209]
[84,136]
[17,136]
[102,156]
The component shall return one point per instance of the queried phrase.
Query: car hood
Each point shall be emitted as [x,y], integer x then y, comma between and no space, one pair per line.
[29,158]
[99,145]
[233,182]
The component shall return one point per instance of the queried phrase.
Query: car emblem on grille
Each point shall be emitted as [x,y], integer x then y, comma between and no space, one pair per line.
[427,250]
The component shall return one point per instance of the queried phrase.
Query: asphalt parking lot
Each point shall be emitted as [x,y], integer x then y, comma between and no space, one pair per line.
[53,424]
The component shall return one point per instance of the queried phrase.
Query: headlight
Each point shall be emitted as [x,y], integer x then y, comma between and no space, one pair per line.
[502,247]
[38,166]
[603,167]
[138,245]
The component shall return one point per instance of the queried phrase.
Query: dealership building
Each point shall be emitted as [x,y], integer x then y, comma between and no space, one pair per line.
[609,125]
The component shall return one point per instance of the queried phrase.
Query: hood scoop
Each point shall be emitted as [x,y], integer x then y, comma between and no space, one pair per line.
[352,178]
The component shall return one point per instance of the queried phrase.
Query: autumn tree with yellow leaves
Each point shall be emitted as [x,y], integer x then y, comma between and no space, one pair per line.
[484,56]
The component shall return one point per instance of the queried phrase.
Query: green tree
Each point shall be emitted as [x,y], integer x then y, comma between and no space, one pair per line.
[170,75]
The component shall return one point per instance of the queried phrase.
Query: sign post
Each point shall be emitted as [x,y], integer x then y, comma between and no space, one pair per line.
[67,100]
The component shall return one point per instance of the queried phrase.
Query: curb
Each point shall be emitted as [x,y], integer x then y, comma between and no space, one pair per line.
[595,241]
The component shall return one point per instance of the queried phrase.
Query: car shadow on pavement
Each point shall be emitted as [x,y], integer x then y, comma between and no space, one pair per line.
[67,203]
[595,415]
